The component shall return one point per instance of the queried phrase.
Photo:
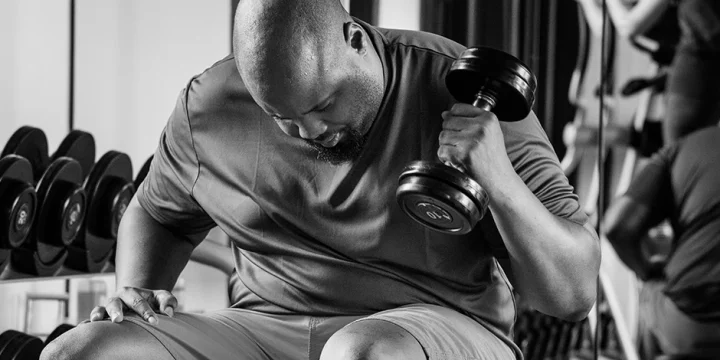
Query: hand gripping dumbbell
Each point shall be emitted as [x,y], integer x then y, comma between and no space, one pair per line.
[442,197]
[60,198]
[109,188]
[18,202]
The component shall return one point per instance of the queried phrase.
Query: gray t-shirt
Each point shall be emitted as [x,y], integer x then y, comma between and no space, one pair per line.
[681,182]
[314,238]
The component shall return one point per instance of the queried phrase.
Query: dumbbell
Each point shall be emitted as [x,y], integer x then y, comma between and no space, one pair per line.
[16,345]
[18,202]
[60,197]
[441,197]
[109,187]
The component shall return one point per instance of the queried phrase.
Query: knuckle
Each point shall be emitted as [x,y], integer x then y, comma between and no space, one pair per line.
[112,300]
[137,301]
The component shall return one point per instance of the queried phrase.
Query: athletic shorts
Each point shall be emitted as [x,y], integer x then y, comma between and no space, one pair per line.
[245,334]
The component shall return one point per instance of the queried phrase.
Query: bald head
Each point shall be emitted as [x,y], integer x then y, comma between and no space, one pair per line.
[286,40]
[311,67]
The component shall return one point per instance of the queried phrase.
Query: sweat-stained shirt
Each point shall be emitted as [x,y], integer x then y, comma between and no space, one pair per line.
[315,238]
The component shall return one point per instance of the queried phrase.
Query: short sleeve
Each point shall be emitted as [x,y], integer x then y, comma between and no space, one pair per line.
[536,162]
[166,192]
[652,184]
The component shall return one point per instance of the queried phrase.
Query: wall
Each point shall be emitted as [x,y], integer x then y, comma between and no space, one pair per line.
[399,14]
[132,59]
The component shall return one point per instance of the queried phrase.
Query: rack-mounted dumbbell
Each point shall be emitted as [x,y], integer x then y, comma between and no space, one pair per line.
[60,196]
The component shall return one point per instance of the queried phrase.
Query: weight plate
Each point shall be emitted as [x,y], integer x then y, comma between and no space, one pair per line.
[62,203]
[18,201]
[118,196]
[143,172]
[437,205]
[78,145]
[4,260]
[6,337]
[500,74]
[109,176]
[59,330]
[30,143]
[22,347]
[449,175]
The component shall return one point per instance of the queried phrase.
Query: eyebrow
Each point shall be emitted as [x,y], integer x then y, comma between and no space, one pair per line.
[322,102]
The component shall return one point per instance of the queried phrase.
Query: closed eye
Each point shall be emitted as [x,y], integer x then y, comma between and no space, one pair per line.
[326,107]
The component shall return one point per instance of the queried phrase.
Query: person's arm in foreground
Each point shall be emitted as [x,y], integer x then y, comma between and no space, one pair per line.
[628,222]
[645,204]
[555,261]
[149,259]
[149,256]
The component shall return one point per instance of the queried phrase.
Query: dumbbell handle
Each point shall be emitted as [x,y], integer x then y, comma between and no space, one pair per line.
[484,100]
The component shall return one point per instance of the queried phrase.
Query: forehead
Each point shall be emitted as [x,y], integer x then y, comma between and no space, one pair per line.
[290,87]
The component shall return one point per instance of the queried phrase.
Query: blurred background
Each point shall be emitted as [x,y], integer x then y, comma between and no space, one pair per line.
[113,68]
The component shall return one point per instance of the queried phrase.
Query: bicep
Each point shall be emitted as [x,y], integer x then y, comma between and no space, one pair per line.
[536,162]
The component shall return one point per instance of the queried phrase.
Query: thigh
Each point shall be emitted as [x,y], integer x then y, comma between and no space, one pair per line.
[677,333]
[446,334]
[232,334]
[224,334]
[104,340]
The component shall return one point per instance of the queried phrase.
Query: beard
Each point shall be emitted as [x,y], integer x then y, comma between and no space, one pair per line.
[347,150]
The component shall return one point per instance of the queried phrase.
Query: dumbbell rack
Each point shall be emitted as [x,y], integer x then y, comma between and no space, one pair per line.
[61,211]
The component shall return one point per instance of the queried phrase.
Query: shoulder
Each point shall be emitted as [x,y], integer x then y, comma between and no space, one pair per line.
[216,86]
[421,43]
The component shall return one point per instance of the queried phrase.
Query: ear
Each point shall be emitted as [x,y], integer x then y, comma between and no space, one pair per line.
[356,38]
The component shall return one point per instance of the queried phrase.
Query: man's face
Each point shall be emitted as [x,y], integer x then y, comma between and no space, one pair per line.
[332,109]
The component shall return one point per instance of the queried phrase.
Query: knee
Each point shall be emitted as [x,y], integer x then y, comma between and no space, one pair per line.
[372,340]
[88,341]
[75,343]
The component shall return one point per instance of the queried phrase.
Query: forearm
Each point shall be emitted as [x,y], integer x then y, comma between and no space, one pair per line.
[629,253]
[148,255]
[555,261]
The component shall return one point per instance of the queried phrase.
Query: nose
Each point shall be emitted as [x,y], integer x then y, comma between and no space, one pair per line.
[311,127]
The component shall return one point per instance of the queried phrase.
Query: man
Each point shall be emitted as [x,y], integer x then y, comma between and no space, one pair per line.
[680,183]
[293,146]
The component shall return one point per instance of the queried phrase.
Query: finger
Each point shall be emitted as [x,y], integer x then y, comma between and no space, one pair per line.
[449,156]
[98,313]
[468,110]
[167,302]
[114,309]
[136,302]
[451,138]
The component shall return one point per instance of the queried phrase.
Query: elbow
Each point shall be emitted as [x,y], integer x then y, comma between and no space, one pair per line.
[570,304]
[578,306]
[580,309]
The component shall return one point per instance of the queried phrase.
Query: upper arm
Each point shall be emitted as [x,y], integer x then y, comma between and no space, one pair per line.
[535,161]
[166,192]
